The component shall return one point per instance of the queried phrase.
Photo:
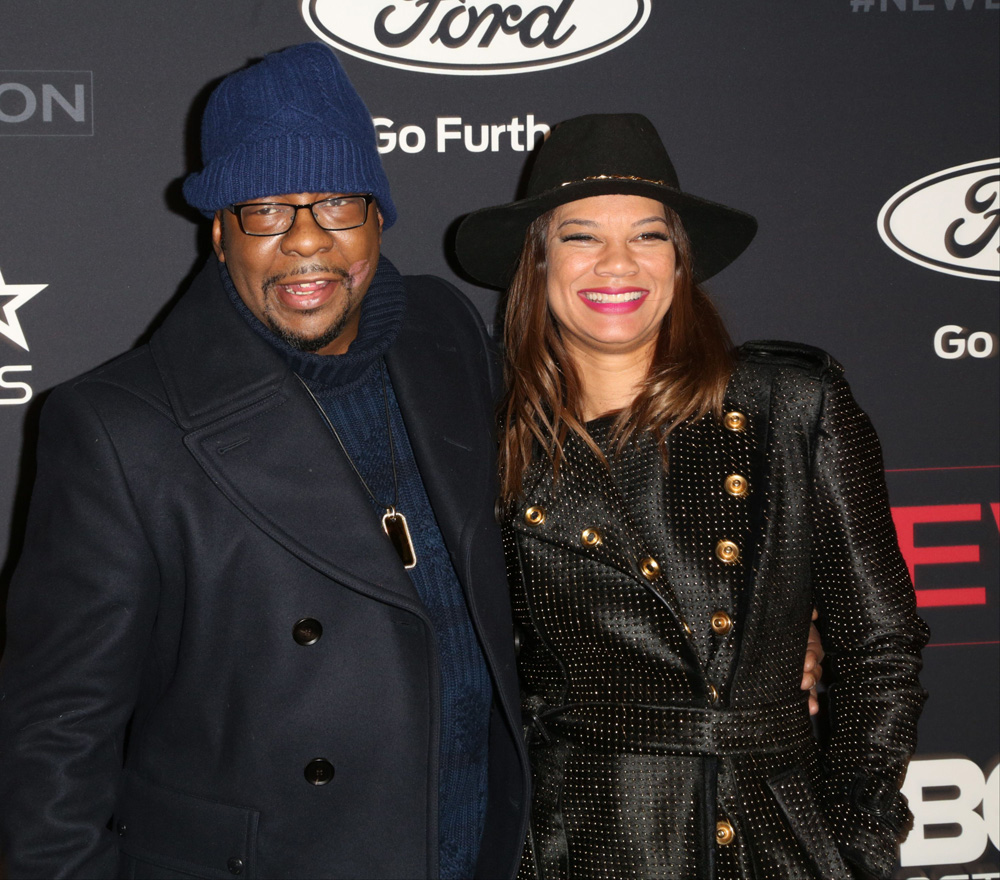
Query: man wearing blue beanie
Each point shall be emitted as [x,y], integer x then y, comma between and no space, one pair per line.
[260,627]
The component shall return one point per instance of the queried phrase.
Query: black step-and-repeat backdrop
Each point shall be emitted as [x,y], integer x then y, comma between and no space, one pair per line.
[862,133]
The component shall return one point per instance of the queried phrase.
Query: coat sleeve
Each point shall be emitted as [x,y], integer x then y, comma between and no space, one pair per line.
[80,614]
[871,633]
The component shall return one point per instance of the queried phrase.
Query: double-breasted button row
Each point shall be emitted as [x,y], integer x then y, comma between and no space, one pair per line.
[319,771]
[307,631]
[738,486]
[592,537]
[650,568]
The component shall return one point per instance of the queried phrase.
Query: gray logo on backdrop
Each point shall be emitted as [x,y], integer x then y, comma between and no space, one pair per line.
[46,102]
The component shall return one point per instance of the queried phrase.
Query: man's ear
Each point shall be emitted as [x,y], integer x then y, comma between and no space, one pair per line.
[219,237]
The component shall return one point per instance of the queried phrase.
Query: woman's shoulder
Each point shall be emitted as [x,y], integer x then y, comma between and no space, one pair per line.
[788,380]
[796,357]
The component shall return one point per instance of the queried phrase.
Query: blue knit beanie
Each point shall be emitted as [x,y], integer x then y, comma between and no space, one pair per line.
[291,123]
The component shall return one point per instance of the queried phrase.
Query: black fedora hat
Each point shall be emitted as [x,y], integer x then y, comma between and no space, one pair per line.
[600,154]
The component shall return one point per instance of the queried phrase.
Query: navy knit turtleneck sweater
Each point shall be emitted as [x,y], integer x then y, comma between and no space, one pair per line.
[349,387]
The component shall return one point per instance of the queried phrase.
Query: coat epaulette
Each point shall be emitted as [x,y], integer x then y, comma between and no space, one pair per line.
[813,360]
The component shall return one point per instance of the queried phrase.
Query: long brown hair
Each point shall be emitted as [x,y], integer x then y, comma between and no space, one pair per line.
[687,376]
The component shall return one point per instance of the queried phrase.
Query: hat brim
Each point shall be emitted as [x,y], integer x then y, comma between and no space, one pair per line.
[488,242]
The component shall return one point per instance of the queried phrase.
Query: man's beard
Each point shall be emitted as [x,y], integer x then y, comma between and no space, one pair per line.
[300,341]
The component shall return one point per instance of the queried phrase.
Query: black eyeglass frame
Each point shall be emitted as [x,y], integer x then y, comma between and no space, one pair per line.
[236,210]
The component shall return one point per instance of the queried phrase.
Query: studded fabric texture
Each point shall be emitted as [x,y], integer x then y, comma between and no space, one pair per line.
[646,727]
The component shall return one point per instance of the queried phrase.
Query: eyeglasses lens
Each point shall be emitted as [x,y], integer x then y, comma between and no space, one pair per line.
[272,218]
[340,213]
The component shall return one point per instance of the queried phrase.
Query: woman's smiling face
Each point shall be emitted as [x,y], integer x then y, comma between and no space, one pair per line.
[610,275]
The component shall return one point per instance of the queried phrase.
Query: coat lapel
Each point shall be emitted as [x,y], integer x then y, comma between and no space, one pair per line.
[450,434]
[255,431]
[586,496]
[698,512]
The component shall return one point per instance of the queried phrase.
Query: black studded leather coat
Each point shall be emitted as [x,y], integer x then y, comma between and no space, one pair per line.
[663,614]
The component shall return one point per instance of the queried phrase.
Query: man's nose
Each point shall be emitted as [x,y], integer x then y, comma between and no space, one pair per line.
[306,236]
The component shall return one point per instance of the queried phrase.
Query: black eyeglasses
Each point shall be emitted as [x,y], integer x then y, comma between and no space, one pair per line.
[274,218]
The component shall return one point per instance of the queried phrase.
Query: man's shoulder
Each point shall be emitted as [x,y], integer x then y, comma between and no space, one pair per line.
[438,311]
[136,372]
[437,296]
[131,376]
[436,306]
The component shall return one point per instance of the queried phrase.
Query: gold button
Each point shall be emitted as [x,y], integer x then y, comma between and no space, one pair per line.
[737,486]
[735,421]
[650,568]
[534,516]
[591,537]
[721,623]
[724,833]
[713,693]
[728,552]
[687,627]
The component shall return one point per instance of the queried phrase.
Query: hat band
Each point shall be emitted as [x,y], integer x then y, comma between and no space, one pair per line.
[615,177]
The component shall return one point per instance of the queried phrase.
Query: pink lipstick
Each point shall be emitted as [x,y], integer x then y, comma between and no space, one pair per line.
[613,300]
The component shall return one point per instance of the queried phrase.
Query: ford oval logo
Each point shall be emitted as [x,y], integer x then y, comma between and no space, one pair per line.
[949,221]
[475,36]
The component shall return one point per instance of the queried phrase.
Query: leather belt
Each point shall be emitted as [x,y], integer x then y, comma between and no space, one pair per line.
[635,727]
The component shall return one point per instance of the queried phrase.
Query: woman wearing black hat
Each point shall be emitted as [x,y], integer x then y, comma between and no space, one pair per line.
[673,510]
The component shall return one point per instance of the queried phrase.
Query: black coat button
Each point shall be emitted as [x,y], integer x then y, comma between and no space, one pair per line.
[307,631]
[319,771]
[235,866]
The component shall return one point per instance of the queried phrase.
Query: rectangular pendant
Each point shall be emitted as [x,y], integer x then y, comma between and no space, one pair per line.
[395,526]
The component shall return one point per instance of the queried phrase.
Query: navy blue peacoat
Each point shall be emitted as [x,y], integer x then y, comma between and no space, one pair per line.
[162,712]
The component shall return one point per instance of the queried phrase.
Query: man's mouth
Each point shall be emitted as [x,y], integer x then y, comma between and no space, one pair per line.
[313,286]
[309,293]
[305,288]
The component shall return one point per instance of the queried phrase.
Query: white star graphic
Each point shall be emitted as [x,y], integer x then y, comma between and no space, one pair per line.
[19,294]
